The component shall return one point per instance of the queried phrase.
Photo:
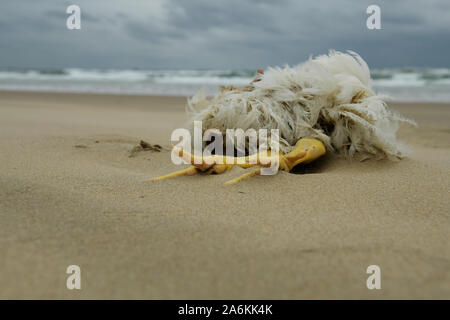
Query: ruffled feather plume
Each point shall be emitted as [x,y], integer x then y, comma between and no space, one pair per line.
[329,98]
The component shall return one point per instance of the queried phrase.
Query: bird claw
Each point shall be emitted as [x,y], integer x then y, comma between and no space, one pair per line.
[306,150]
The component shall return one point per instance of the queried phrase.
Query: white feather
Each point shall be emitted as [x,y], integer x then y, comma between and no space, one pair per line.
[329,98]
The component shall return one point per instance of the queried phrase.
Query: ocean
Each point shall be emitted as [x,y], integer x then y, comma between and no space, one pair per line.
[401,84]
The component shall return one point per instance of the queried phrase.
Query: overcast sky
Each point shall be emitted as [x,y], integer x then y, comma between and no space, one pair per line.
[193,34]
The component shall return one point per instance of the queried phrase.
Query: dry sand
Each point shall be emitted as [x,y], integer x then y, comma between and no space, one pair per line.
[70,194]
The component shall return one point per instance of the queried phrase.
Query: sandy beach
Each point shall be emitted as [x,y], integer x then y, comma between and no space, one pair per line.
[70,193]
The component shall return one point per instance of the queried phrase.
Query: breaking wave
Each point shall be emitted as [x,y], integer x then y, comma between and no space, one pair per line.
[402,84]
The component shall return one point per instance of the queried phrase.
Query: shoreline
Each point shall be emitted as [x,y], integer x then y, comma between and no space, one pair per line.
[38,92]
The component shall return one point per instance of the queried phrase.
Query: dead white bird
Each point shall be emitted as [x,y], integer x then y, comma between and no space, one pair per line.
[326,103]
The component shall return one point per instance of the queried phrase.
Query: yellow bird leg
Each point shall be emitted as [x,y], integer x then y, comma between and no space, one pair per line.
[185,172]
[243,177]
[205,163]
[306,150]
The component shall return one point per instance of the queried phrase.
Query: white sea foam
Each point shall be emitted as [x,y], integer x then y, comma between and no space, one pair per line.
[402,84]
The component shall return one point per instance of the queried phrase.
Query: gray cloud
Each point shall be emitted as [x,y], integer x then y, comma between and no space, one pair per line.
[173,34]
